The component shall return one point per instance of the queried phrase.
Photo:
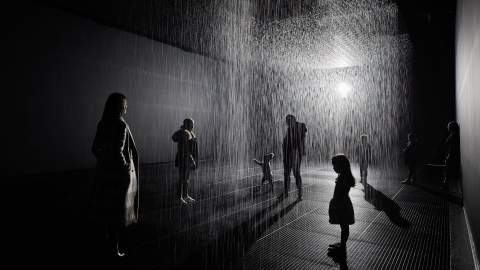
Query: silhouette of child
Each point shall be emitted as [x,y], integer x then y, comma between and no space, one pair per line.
[266,169]
[410,154]
[340,209]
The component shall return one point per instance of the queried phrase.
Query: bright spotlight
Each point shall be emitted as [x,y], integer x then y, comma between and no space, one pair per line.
[344,89]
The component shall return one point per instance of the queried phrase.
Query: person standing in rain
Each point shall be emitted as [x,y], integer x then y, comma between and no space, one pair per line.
[186,159]
[293,149]
[452,154]
[116,176]
[410,154]
[340,210]
[364,154]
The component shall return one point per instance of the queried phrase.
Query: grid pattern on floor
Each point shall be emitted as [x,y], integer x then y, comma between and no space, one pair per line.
[375,242]
[236,224]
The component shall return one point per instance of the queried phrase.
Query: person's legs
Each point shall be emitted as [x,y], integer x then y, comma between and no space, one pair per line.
[298,177]
[412,173]
[339,250]
[268,179]
[286,178]
[121,241]
[115,238]
[447,175]
[344,235]
[186,196]
[182,184]
[111,238]
[363,172]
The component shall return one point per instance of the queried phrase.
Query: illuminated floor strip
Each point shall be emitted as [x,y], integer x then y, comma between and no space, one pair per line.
[472,243]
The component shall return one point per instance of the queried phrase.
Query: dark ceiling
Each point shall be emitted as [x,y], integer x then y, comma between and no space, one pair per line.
[189,24]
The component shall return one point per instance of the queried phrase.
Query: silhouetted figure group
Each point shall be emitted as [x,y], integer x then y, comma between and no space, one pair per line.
[117,173]
[451,157]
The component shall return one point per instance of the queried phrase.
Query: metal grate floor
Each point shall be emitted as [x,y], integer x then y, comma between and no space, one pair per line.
[376,241]
[237,225]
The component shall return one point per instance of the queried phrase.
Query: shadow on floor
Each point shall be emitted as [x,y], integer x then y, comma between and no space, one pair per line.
[451,197]
[383,203]
[225,251]
[431,178]
[339,258]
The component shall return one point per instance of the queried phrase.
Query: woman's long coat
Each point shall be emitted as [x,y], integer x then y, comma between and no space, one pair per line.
[116,195]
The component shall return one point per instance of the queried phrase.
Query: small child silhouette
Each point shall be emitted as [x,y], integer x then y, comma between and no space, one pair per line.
[267,170]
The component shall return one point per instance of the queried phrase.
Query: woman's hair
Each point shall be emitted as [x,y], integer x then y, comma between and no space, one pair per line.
[343,164]
[113,107]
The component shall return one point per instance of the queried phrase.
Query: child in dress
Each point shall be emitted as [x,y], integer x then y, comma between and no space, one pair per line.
[340,210]
[266,169]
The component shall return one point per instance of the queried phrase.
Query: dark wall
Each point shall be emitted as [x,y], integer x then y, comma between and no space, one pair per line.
[431,28]
[60,70]
[468,107]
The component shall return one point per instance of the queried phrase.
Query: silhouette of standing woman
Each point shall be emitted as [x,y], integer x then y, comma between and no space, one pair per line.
[116,172]
[341,209]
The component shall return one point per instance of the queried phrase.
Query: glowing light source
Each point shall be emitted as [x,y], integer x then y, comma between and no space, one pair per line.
[344,89]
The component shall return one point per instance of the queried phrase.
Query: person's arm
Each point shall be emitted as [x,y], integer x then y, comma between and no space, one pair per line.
[193,163]
[194,150]
[135,157]
[119,143]
[185,151]
[258,162]
[302,143]
[304,130]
